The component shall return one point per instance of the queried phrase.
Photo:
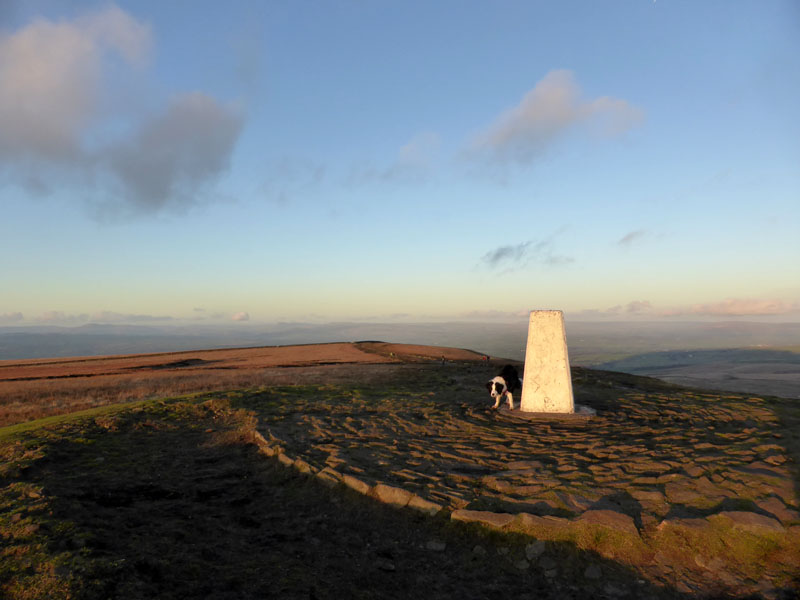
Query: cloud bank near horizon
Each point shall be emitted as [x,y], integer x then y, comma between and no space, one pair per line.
[738,307]
[731,307]
[638,310]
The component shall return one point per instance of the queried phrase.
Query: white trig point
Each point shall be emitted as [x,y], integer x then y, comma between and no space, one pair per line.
[546,383]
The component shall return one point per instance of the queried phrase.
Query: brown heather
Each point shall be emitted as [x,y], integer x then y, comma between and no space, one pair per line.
[37,388]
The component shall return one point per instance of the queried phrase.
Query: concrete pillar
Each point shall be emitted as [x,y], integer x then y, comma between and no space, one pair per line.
[546,383]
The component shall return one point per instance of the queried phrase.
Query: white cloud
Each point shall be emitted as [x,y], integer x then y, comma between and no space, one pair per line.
[241,316]
[49,79]
[116,29]
[53,76]
[545,114]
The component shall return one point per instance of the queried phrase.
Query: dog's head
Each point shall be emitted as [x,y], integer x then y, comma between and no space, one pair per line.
[497,387]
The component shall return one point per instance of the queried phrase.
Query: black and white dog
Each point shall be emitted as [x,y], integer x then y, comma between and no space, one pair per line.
[505,384]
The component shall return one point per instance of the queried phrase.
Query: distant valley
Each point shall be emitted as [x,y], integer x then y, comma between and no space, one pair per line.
[765,372]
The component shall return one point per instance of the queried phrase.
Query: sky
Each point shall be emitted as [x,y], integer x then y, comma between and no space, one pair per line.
[367,160]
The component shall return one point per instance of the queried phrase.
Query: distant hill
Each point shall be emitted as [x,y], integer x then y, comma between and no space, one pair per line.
[590,343]
[635,347]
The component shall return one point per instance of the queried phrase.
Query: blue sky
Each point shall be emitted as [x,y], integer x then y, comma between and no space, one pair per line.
[369,160]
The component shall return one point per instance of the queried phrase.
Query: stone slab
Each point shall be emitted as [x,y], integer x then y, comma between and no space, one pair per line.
[611,520]
[547,384]
[356,484]
[692,524]
[778,509]
[547,522]
[389,494]
[750,522]
[285,460]
[492,519]
[329,476]
[425,506]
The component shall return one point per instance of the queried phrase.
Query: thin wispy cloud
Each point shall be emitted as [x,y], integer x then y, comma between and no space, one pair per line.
[545,115]
[632,237]
[289,178]
[506,255]
[420,151]
[414,163]
[11,317]
[510,258]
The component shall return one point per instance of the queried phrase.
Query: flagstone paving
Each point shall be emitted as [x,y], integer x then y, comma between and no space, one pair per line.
[657,465]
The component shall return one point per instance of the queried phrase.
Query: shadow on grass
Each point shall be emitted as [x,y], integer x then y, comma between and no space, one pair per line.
[173,502]
[788,413]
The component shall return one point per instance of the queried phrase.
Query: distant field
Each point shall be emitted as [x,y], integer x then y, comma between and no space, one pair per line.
[770,372]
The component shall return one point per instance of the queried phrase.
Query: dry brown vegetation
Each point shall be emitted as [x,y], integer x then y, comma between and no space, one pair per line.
[32,389]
